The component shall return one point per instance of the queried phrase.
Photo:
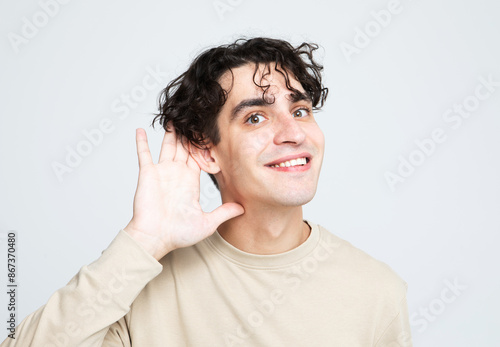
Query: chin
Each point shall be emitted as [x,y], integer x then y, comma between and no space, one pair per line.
[297,198]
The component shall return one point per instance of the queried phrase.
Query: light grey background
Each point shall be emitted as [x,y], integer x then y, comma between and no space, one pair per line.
[67,74]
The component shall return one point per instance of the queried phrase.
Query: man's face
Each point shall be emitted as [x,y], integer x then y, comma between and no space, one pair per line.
[257,137]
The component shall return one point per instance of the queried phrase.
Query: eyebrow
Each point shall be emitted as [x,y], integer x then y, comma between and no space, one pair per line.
[246,104]
[293,97]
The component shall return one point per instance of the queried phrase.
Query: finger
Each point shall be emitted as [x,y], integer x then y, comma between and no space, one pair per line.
[143,153]
[192,164]
[191,161]
[168,145]
[223,213]
[181,153]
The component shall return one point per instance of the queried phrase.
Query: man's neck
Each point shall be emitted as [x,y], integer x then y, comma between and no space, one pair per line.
[266,230]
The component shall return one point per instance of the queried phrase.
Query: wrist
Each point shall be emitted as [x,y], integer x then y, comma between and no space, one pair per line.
[149,243]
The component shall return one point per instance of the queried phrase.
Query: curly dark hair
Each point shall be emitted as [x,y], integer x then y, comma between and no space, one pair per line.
[192,101]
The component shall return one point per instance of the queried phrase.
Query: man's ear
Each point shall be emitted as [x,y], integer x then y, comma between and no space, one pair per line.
[204,158]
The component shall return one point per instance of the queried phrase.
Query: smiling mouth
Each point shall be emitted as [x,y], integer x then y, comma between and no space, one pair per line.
[291,163]
[299,164]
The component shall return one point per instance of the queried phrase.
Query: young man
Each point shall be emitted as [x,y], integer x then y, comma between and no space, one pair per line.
[253,272]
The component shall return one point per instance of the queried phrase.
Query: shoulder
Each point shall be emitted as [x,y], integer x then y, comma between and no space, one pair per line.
[360,268]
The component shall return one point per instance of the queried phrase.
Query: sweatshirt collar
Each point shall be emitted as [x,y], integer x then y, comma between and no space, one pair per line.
[264,261]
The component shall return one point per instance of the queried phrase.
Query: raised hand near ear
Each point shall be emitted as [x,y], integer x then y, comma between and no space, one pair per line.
[167,213]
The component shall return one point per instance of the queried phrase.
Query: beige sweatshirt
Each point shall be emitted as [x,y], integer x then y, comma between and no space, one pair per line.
[325,292]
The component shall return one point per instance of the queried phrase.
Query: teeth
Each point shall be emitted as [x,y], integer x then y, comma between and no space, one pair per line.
[293,162]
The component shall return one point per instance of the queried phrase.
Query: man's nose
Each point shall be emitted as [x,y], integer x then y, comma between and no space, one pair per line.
[287,129]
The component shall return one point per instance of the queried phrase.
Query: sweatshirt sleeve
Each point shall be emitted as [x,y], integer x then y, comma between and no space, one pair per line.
[398,333]
[97,297]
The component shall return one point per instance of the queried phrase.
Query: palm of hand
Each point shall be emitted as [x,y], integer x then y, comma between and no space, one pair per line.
[167,212]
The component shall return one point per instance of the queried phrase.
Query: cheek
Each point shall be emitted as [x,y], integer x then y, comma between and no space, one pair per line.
[321,139]
[256,142]
[315,134]
[319,142]
[234,158]
[244,155]
[248,147]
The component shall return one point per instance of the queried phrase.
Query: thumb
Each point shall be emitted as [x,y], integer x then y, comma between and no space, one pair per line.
[223,213]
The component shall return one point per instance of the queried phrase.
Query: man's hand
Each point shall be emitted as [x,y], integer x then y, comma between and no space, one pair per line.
[167,211]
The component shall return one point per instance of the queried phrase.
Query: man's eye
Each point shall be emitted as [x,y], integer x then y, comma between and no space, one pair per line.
[301,112]
[255,119]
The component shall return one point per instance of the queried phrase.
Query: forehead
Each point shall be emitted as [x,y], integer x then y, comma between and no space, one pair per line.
[251,80]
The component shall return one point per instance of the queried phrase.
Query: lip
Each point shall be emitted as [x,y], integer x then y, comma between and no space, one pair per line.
[290,157]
